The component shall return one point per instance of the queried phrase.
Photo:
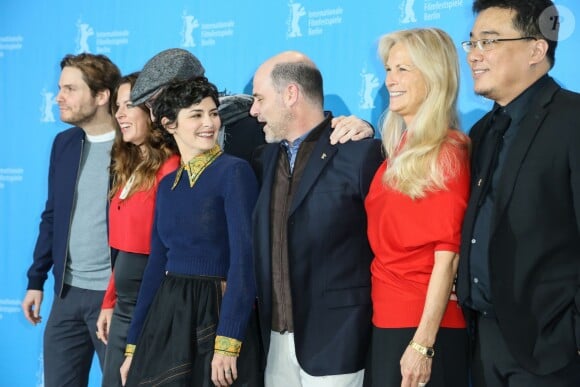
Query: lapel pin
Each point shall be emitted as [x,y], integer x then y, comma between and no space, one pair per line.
[323,156]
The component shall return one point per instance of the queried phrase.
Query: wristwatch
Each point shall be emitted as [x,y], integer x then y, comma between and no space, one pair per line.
[425,351]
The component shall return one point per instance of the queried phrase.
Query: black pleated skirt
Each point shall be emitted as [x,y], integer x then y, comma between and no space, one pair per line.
[177,341]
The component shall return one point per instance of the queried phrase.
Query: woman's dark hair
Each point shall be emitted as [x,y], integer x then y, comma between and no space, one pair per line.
[180,95]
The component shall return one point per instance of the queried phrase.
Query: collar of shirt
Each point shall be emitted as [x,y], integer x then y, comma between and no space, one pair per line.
[291,148]
[519,107]
[197,165]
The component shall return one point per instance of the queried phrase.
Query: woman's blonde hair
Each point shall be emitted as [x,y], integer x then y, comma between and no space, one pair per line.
[127,158]
[418,165]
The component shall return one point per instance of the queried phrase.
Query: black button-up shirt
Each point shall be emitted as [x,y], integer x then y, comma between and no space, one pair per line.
[479,275]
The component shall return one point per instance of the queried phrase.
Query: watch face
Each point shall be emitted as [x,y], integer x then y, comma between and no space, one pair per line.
[425,351]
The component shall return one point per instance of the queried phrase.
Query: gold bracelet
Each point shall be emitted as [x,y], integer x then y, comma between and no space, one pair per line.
[428,352]
[227,346]
[130,349]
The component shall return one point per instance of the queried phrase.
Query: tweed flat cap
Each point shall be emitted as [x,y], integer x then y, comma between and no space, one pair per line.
[168,65]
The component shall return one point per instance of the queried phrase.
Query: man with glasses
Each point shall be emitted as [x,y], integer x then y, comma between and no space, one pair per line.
[519,276]
[489,44]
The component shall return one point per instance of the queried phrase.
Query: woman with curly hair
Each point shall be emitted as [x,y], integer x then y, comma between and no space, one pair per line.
[188,327]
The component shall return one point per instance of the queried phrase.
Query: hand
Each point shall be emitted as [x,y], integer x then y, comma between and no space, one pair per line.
[31,306]
[104,324]
[223,370]
[349,128]
[124,370]
[415,368]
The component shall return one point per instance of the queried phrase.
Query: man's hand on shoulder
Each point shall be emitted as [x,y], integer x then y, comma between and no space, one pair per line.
[349,128]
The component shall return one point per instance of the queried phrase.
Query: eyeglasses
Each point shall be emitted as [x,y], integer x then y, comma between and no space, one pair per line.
[489,44]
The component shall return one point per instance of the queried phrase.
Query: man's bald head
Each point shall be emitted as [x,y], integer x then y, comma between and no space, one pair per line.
[292,57]
[297,68]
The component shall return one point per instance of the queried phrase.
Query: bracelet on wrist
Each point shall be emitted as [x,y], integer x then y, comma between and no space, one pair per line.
[428,352]
[130,349]
[227,346]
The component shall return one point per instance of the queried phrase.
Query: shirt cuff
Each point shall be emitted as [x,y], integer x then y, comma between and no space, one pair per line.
[227,346]
[130,349]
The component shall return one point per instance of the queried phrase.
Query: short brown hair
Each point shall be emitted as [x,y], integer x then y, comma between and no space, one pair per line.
[99,72]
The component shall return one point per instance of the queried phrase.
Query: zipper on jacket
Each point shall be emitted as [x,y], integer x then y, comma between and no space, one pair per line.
[70,219]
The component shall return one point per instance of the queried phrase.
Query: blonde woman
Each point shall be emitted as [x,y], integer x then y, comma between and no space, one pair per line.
[415,208]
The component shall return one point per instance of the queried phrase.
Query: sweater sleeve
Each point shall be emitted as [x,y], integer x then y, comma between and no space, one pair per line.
[240,197]
[110,298]
[152,278]
[42,258]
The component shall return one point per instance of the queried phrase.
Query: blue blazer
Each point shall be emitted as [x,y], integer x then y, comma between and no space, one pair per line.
[534,247]
[329,254]
[52,244]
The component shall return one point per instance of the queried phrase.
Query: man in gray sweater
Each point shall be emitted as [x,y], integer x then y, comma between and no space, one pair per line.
[73,229]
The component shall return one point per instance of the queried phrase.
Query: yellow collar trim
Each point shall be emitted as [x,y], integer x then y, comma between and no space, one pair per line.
[197,165]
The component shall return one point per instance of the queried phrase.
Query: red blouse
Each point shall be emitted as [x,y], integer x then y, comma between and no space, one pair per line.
[131,222]
[405,234]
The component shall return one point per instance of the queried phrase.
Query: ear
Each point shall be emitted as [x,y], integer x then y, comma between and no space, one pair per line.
[539,50]
[102,97]
[170,127]
[291,94]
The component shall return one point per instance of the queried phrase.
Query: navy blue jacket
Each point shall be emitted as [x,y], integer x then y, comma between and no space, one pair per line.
[328,251]
[52,244]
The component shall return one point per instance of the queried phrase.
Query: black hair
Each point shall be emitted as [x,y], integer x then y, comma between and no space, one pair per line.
[181,94]
[527,19]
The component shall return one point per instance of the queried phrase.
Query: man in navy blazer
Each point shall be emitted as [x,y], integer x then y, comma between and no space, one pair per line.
[73,237]
[519,272]
[310,241]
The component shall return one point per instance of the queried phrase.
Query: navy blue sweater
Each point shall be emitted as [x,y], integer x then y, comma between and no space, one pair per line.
[205,230]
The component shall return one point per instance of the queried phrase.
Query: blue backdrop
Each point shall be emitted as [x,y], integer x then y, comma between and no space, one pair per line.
[231,38]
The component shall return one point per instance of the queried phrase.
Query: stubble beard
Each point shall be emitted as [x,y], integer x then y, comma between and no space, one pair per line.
[79,119]
[274,134]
